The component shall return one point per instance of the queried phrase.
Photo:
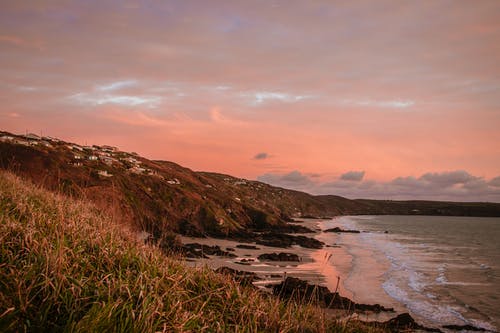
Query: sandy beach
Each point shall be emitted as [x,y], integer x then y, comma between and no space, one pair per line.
[329,266]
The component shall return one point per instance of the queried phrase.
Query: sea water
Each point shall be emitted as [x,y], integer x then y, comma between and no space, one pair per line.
[443,270]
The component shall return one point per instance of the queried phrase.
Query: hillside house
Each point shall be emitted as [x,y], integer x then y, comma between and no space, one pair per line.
[51,139]
[137,170]
[107,160]
[174,181]
[93,158]
[104,173]
[31,136]
[6,138]
[21,142]
[77,157]
[109,149]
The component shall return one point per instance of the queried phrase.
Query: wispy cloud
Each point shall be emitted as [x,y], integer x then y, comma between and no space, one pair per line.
[397,103]
[262,97]
[118,85]
[124,100]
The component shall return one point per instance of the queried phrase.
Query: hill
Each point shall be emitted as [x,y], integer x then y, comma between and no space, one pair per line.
[162,197]
[67,266]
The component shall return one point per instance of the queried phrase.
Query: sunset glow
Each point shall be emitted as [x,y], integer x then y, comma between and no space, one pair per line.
[384,99]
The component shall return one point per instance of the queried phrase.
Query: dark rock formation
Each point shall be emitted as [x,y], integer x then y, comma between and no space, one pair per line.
[282,256]
[284,240]
[195,250]
[339,230]
[302,291]
[248,247]
[464,328]
[404,322]
[244,278]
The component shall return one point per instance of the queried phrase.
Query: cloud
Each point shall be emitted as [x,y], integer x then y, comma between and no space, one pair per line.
[93,99]
[353,176]
[117,85]
[293,180]
[447,179]
[397,103]
[448,186]
[261,156]
[495,182]
[268,96]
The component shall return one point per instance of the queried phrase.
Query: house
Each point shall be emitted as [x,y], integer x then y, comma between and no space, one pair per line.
[104,173]
[137,170]
[174,181]
[51,139]
[5,138]
[130,160]
[107,160]
[77,164]
[21,142]
[109,149]
[93,158]
[46,144]
[31,136]
[77,157]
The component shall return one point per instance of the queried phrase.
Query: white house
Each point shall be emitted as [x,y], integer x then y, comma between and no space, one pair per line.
[104,173]
[93,158]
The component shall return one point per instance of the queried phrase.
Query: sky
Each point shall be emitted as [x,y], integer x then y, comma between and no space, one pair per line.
[365,99]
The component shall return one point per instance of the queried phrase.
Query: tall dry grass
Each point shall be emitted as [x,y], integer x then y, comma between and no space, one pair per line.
[66,267]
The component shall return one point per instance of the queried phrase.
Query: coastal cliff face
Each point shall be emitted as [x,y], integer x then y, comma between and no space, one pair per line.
[162,197]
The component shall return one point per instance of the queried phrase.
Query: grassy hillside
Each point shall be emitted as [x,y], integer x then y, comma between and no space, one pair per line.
[65,266]
[155,196]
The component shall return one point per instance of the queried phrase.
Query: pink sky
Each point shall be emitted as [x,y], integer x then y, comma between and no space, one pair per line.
[389,90]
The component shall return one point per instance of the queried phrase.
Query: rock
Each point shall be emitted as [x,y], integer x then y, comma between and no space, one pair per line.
[464,328]
[200,250]
[247,260]
[282,256]
[248,247]
[284,240]
[405,321]
[244,278]
[302,291]
[339,230]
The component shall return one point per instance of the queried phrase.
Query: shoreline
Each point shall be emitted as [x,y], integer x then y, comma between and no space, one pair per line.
[344,264]
[325,267]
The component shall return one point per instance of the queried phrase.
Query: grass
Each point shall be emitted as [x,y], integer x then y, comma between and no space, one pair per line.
[65,266]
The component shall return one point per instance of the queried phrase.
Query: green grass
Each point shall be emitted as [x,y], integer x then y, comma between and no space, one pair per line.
[67,267]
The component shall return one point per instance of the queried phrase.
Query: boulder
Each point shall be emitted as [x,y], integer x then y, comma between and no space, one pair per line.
[282,256]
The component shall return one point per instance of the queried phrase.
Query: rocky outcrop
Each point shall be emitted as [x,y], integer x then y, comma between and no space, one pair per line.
[248,247]
[242,277]
[339,230]
[195,250]
[284,240]
[404,322]
[303,292]
[464,328]
[282,256]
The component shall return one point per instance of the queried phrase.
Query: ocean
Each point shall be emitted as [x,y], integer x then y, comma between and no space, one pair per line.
[443,270]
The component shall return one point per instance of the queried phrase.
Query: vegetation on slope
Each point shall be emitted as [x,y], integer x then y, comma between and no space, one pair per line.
[66,266]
